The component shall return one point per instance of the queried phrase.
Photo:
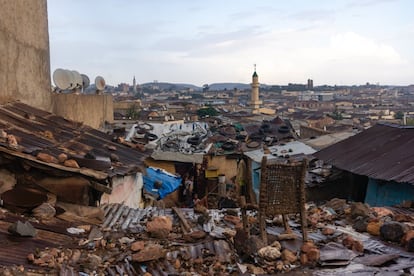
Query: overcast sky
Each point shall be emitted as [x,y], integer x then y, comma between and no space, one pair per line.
[207,41]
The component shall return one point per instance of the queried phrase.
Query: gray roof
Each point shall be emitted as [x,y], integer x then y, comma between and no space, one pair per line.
[37,131]
[383,151]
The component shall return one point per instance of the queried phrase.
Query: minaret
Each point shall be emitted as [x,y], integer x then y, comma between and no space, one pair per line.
[134,85]
[254,101]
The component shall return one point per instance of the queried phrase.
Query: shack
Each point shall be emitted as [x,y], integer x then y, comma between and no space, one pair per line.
[379,164]
[78,164]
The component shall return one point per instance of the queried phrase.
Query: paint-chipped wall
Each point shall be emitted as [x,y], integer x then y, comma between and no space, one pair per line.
[92,110]
[388,193]
[126,190]
[224,165]
[24,53]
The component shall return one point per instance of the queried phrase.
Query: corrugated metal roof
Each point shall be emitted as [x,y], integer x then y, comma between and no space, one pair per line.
[37,130]
[121,218]
[14,249]
[220,249]
[383,151]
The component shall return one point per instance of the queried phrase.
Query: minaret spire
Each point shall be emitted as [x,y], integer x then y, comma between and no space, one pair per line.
[255,101]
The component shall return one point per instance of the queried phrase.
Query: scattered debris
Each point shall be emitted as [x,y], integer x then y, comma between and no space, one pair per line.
[159,227]
[156,241]
[22,229]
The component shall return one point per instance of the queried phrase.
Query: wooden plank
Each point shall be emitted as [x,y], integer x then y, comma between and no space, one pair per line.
[183,220]
[100,187]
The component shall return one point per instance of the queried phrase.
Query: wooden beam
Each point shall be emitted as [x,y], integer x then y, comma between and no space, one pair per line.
[183,220]
[100,187]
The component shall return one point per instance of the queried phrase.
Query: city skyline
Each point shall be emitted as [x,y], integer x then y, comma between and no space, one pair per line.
[198,42]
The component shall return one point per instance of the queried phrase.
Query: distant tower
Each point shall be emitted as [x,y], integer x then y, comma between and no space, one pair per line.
[310,84]
[134,85]
[254,101]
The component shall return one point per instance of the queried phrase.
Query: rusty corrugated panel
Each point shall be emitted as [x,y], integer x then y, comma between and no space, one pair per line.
[120,217]
[14,250]
[220,249]
[37,130]
[382,152]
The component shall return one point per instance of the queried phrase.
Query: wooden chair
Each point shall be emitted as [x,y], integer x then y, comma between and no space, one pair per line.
[282,192]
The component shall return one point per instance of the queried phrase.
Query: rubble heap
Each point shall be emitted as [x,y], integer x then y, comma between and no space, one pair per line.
[347,237]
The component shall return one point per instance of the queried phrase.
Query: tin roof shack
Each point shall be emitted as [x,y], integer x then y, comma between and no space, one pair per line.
[379,161]
[78,164]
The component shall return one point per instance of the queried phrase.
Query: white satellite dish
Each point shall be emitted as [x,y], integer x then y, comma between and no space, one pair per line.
[71,78]
[62,78]
[85,81]
[100,83]
[77,79]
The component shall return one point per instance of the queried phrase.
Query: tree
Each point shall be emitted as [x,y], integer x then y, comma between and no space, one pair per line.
[207,111]
[206,87]
[133,112]
[336,115]
[399,115]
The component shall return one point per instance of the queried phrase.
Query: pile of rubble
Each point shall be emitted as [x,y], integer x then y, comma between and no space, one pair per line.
[200,241]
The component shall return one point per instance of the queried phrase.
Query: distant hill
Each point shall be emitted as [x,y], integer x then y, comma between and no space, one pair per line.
[228,86]
[171,86]
[232,85]
[212,87]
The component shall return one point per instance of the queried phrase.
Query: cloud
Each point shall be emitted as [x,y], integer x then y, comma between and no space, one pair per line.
[202,43]
[345,57]
[351,45]
[368,3]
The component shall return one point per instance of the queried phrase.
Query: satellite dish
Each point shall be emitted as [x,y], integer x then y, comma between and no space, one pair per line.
[85,81]
[62,78]
[77,79]
[100,83]
[71,78]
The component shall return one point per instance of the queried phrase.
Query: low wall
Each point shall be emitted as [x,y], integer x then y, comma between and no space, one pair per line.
[93,110]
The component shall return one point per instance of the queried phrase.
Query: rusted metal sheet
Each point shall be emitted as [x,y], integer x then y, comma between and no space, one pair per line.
[120,217]
[218,249]
[383,151]
[39,131]
[376,260]
[14,250]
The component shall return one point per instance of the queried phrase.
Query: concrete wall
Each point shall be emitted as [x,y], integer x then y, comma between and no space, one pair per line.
[126,190]
[225,166]
[24,53]
[25,66]
[92,110]
[307,132]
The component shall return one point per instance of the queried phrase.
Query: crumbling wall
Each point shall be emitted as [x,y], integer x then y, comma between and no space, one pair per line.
[93,110]
[126,190]
[24,53]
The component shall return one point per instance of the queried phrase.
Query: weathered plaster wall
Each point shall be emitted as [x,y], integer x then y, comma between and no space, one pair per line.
[225,166]
[92,110]
[24,53]
[124,106]
[126,190]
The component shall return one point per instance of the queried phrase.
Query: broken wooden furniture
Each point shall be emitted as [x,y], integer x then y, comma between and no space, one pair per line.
[282,192]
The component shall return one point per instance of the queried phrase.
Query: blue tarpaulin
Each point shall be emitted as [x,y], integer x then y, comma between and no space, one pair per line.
[169,182]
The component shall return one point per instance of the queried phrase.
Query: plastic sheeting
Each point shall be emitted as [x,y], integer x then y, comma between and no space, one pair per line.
[169,182]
